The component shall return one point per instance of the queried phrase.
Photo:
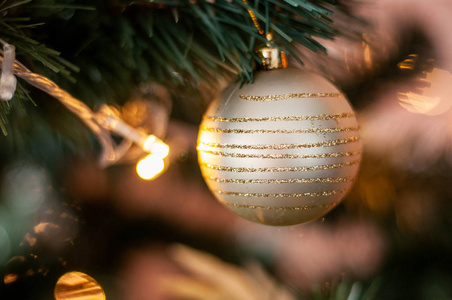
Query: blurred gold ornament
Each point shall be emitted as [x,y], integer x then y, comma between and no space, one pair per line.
[282,151]
[78,286]
[432,97]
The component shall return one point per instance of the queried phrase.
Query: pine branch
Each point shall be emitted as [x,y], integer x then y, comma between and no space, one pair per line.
[104,49]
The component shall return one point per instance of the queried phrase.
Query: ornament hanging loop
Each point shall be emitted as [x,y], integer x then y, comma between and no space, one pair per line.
[271,57]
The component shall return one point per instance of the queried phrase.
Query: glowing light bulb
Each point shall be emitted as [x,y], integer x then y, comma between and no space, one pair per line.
[150,166]
[147,145]
[155,146]
[160,149]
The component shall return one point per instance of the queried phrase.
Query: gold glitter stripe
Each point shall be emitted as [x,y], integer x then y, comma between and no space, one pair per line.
[290,96]
[283,131]
[288,118]
[304,207]
[282,156]
[281,169]
[284,146]
[290,180]
[283,195]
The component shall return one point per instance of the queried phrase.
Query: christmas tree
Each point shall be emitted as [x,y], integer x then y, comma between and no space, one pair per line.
[96,94]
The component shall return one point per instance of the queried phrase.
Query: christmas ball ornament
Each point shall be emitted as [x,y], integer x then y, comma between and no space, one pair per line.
[281,151]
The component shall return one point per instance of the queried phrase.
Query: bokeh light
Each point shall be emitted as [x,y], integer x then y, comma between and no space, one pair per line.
[149,167]
[150,140]
[160,149]
[78,286]
[155,146]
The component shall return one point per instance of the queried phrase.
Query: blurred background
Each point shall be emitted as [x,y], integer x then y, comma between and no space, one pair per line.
[169,238]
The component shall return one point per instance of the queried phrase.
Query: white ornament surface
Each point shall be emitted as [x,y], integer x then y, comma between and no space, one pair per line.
[281,151]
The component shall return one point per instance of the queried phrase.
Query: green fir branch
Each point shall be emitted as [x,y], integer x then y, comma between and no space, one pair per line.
[99,51]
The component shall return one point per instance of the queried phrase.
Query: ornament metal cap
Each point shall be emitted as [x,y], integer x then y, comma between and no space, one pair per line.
[272,58]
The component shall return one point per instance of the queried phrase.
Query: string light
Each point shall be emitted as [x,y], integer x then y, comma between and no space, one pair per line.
[109,119]
[149,167]
[152,165]
[103,122]
[148,143]
[160,149]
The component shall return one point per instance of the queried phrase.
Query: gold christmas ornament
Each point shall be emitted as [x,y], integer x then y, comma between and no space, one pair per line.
[78,286]
[281,151]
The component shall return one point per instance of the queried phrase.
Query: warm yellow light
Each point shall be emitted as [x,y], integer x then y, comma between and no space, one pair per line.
[160,149]
[150,166]
[147,145]
[155,146]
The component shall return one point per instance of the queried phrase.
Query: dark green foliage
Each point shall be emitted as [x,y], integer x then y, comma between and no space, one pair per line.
[101,50]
